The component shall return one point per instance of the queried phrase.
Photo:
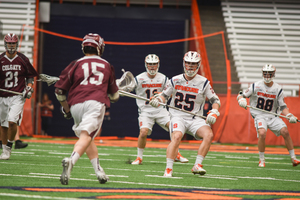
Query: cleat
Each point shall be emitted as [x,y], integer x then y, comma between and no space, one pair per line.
[138,161]
[168,172]
[6,152]
[261,163]
[295,162]
[197,169]
[180,158]
[102,177]
[19,144]
[67,168]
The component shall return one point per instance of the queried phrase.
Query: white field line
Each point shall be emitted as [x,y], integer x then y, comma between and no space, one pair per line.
[156,176]
[43,174]
[39,196]
[122,182]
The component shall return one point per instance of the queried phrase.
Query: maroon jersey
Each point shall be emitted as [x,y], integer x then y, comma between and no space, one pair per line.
[89,78]
[14,72]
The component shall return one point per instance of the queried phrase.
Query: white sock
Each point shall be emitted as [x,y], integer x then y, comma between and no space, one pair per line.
[140,152]
[292,154]
[170,163]
[261,155]
[199,159]
[96,164]
[75,157]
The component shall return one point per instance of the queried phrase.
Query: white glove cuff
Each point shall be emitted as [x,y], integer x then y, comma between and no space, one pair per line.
[289,115]
[215,111]
[159,99]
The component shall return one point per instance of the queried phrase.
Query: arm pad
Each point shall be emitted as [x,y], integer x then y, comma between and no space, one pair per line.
[29,80]
[60,94]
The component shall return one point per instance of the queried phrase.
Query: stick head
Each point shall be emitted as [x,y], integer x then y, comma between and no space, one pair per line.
[126,82]
[48,79]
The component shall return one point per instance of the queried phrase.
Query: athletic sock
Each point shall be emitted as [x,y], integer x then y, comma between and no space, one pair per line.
[96,164]
[170,163]
[75,157]
[292,154]
[10,143]
[140,152]
[261,155]
[199,159]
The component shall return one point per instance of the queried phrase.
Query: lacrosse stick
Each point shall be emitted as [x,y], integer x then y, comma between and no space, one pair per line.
[126,82]
[270,112]
[13,92]
[48,79]
[128,94]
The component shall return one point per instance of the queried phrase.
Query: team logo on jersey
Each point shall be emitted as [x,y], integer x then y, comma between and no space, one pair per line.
[152,85]
[185,88]
[266,95]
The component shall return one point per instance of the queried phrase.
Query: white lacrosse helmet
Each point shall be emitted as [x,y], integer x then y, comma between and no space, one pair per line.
[268,73]
[151,61]
[190,59]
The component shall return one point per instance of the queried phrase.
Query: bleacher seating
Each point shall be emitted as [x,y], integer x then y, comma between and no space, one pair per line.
[13,14]
[263,32]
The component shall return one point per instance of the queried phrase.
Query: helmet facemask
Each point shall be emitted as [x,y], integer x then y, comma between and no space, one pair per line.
[191,68]
[152,64]
[191,63]
[11,43]
[268,73]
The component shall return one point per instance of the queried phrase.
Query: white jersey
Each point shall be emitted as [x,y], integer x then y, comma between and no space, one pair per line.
[145,87]
[188,95]
[267,98]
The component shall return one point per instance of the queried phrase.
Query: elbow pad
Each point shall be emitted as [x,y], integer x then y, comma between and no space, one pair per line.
[60,95]
[215,99]
[29,80]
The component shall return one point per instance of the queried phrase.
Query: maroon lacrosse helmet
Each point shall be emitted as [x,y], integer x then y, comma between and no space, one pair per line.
[11,43]
[93,40]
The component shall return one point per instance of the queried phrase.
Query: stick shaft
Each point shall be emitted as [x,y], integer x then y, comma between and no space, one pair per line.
[270,112]
[9,91]
[128,94]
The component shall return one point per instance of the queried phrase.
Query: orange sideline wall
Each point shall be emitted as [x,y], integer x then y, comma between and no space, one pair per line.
[239,126]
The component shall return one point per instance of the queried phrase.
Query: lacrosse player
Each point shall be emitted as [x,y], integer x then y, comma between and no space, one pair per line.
[91,85]
[268,95]
[189,91]
[147,84]
[16,76]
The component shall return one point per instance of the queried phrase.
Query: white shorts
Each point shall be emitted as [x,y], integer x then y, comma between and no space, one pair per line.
[189,126]
[11,110]
[147,120]
[275,124]
[88,116]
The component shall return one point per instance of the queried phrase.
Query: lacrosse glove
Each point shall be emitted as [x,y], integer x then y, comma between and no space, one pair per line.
[243,103]
[292,119]
[27,92]
[66,115]
[212,116]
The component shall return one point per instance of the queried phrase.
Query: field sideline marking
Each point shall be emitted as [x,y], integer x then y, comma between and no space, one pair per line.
[39,197]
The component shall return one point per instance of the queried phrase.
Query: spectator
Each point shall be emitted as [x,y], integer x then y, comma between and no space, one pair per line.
[46,113]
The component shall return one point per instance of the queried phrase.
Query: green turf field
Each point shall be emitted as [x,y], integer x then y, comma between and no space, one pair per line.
[33,173]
